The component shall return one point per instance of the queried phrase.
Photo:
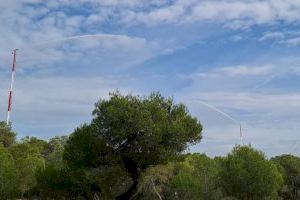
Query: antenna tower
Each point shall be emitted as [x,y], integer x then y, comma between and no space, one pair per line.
[9,107]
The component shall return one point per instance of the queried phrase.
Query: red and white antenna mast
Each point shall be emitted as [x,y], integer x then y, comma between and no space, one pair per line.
[9,108]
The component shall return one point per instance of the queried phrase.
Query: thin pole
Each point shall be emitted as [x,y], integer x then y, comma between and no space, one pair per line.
[241,135]
[9,107]
[205,182]
[226,115]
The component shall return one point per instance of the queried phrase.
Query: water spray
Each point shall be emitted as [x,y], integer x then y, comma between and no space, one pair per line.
[99,36]
[10,96]
[296,145]
[77,37]
[225,115]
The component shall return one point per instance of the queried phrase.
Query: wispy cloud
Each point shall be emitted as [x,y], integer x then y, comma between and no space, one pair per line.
[273,36]
[293,41]
[58,81]
[269,113]
[235,71]
[232,13]
[55,101]
[289,38]
[101,50]
[265,117]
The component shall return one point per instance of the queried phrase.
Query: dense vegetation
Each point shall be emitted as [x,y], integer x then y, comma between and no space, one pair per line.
[134,149]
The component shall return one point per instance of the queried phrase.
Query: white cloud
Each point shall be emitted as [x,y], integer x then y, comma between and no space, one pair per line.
[235,71]
[293,41]
[60,103]
[273,36]
[253,102]
[95,51]
[269,115]
[234,13]
[267,119]
[246,70]
[290,38]
[23,24]
[236,38]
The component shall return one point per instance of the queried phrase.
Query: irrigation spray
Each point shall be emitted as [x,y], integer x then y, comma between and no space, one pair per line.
[224,115]
[98,36]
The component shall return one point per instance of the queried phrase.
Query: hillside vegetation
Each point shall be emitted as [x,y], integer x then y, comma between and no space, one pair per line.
[134,148]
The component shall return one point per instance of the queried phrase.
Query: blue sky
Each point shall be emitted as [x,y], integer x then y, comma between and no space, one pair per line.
[239,56]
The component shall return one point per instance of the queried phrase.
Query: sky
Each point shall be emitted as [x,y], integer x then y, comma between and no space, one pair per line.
[239,57]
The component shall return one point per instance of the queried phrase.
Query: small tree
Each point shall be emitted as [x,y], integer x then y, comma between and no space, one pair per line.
[54,149]
[290,167]
[133,132]
[154,182]
[193,178]
[7,136]
[247,174]
[8,175]
[28,159]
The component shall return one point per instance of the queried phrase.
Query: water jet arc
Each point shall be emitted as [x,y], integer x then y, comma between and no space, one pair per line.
[223,114]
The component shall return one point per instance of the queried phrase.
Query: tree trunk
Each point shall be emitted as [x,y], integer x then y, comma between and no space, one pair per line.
[129,193]
[133,170]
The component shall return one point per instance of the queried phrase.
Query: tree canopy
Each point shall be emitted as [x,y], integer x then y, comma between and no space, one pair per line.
[7,136]
[290,168]
[194,178]
[134,148]
[133,132]
[247,174]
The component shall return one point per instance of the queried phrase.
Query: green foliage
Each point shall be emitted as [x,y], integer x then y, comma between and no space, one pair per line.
[112,181]
[51,183]
[27,159]
[247,174]
[145,130]
[185,184]
[194,178]
[132,132]
[154,182]
[62,183]
[8,175]
[133,149]
[88,151]
[198,178]
[34,142]
[66,183]
[85,148]
[7,137]
[290,168]
[20,161]
[53,150]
